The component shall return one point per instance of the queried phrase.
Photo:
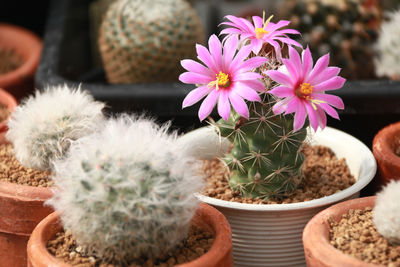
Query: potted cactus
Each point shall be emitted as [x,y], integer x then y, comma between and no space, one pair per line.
[265,160]
[40,131]
[372,232]
[126,195]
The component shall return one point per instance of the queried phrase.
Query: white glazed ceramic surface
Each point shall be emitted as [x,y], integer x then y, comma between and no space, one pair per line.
[270,235]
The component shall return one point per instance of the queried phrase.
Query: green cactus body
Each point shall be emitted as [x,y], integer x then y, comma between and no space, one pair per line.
[266,157]
[144,40]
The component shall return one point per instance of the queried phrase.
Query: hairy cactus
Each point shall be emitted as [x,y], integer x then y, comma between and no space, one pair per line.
[386,213]
[127,192]
[44,125]
[388,48]
[144,40]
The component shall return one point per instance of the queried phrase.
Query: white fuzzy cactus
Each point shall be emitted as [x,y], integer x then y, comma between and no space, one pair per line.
[127,192]
[388,47]
[44,125]
[386,213]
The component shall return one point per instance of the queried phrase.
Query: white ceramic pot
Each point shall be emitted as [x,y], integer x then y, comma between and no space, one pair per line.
[270,235]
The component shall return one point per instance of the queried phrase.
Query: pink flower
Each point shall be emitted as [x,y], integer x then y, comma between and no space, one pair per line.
[261,32]
[226,78]
[303,89]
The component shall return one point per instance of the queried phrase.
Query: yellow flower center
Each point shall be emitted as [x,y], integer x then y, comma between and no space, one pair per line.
[222,79]
[306,89]
[261,31]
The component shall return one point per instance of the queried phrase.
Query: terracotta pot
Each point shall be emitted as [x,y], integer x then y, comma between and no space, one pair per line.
[383,147]
[270,234]
[206,217]
[319,252]
[28,46]
[21,209]
[8,100]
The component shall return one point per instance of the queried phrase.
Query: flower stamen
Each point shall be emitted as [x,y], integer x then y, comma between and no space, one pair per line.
[222,79]
[261,31]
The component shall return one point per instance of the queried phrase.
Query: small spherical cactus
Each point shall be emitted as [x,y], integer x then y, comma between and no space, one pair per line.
[127,192]
[388,48]
[144,40]
[386,213]
[44,125]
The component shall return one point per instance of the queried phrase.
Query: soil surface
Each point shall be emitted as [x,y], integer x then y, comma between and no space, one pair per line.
[4,112]
[12,171]
[9,60]
[356,235]
[197,243]
[324,175]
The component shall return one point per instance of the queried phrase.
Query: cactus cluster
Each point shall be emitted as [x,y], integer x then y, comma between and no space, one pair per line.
[44,125]
[388,48]
[386,212]
[144,40]
[266,157]
[347,29]
[126,192]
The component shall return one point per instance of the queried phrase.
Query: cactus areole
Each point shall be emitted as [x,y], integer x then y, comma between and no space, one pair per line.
[268,132]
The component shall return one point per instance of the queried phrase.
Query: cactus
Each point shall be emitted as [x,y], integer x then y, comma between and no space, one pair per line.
[347,29]
[266,157]
[386,213]
[43,126]
[144,40]
[388,48]
[127,192]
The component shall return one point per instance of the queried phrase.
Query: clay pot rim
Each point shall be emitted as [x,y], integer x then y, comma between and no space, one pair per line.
[363,178]
[315,235]
[31,56]
[25,192]
[7,99]
[381,147]
[222,244]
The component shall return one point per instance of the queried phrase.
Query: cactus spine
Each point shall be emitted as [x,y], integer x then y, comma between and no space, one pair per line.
[127,192]
[144,40]
[266,157]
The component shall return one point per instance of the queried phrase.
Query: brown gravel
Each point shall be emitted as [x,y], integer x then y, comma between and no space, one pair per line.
[4,112]
[12,171]
[357,236]
[196,244]
[324,175]
[9,60]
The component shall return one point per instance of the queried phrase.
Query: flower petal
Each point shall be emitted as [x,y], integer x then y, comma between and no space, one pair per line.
[195,95]
[295,58]
[205,57]
[307,63]
[299,118]
[194,78]
[256,45]
[230,47]
[312,116]
[224,107]
[208,104]
[242,54]
[282,91]
[331,84]
[250,64]
[281,106]
[292,71]
[246,76]
[239,105]
[258,22]
[332,100]
[321,118]
[329,110]
[293,105]
[287,40]
[274,26]
[215,47]
[321,64]
[327,74]
[194,66]
[246,92]
[254,84]
[279,77]
[241,23]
